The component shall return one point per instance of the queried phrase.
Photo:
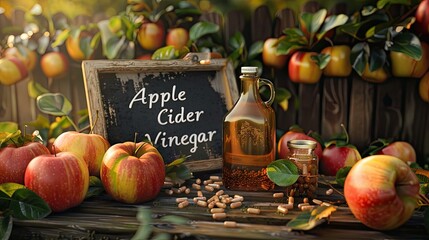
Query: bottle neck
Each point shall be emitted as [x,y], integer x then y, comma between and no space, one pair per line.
[249,85]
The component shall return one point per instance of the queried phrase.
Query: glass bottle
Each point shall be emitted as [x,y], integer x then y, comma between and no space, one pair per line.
[301,152]
[249,136]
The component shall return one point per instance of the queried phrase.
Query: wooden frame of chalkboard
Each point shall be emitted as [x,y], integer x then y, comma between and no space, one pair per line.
[178,105]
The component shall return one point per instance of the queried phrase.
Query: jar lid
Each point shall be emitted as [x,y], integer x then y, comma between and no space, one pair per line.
[302,144]
[249,69]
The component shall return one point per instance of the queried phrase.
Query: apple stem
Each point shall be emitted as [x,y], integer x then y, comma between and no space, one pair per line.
[54,149]
[135,140]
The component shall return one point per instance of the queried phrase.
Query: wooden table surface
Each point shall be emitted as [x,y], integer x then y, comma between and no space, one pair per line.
[103,218]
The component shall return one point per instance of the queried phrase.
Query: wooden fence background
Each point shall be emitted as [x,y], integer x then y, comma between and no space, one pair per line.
[369,111]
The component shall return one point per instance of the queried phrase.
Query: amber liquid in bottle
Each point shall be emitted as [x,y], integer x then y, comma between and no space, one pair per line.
[249,137]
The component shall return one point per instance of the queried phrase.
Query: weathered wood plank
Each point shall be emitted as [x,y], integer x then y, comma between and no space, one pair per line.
[284,18]
[234,22]
[415,112]
[310,106]
[361,112]
[261,24]
[388,113]
[335,102]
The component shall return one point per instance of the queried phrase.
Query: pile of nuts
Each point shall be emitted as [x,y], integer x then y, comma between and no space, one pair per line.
[220,201]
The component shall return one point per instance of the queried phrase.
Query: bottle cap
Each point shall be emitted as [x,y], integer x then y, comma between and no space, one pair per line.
[302,144]
[249,69]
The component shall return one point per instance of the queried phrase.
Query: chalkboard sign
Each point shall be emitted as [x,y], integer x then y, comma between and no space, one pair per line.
[178,105]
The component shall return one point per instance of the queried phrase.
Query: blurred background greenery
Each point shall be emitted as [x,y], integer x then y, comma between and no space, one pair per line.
[72,8]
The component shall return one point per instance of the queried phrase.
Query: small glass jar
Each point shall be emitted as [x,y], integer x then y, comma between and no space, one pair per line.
[301,152]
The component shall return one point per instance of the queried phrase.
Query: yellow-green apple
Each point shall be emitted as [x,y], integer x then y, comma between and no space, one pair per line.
[151,35]
[339,65]
[376,76]
[270,57]
[283,150]
[303,69]
[382,192]
[132,172]
[54,64]
[421,24]
[424,87]
[12,70]
[91,147]
[61,180]
[336,157]
[14,159]
[405,66]
[27,56]
[177,37]
[400,149]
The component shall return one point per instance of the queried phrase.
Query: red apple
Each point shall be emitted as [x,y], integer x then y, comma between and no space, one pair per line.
[15,158]
[91,147]
[27,56]
[151,35]
[422,20]
[270,57]
[376,76]
[132,173]
[400,149]
[336,157]
[283,150]
[339,65]
[302,69]
[405,66]
[61,180]
[54,64]
[382,192]
[177,37]
[12,70]
[424,87]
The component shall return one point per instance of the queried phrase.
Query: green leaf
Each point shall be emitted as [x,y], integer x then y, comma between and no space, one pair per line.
[201,29]
[10,188]
[332,22]
[178,173]
[341,175]
[321,59]
[309,220]
[382,3]
[25,204]
[313,21]
[359,57]
[282,97]
[61,38]
[58,126]
[165,53]
[9,127]
[283,172]
[237,42]
[55,104]
[144,216]
[111,43]
[40,123]
[4,201]
[285,47]
[255,49]
[6,226]
[35,89]
[377,59]
[177,162]
[408,44]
